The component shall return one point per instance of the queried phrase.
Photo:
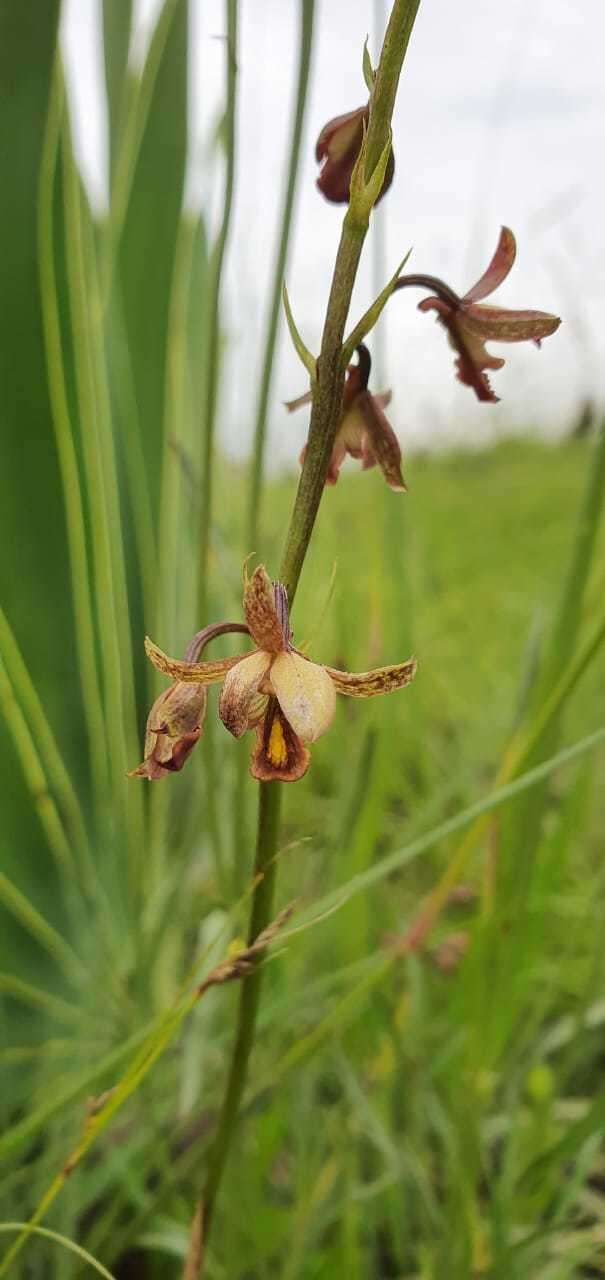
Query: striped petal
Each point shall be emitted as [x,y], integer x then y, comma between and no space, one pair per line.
[261,614]
[366,684]
[238,701]
[190,672]
[305,694]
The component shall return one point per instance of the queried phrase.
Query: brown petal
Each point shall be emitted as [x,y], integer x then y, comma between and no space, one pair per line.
[305,694]
[337,149]
[384,444]
[190,672]
[500,324]
[240,690]
[473,358]
[366,684]
[499,267]
[279,755]
[174,725]
[261,614]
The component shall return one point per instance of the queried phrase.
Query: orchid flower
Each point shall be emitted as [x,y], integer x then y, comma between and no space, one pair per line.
[364,431]
[470,324]
[288,700]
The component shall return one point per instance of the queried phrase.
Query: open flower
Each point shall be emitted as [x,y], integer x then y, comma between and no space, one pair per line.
[337,149]
[470,324]
[364,430]
[288,700]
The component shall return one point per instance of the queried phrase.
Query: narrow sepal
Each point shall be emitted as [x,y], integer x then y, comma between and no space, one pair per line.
[367,684]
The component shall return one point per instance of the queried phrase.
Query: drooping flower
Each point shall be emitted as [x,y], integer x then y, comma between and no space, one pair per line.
[175,722]
[174,725]
[337,149]
[364,430]
[288,700]
[470,324]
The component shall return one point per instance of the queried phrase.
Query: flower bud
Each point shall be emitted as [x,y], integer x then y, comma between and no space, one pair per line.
[337,149]
[174,725]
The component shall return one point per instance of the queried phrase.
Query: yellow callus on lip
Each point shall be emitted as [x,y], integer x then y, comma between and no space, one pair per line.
[305,694]
[277,750]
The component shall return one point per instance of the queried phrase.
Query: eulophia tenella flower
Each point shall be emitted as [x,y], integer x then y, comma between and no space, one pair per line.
[470,324]
[275,690]
[337,149]
[364,431]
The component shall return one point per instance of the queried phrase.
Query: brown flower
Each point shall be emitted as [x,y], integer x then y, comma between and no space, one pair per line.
[470,324]
[174,725]
[337,149]
[288,700]
[175,721]
[364,430]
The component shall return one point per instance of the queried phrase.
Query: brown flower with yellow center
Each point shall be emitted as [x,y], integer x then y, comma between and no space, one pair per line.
[288,700]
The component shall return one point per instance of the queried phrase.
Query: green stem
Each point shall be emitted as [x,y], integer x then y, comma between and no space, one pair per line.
[325,413]
[262,907]
[260,428]
[213,349]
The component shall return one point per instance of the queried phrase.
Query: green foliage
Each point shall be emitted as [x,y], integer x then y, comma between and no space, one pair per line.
[403,1118]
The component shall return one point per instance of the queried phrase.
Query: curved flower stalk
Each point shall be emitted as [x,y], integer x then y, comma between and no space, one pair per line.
[470,324]
[364,432]
[288,700]
[337,149]
[175,722]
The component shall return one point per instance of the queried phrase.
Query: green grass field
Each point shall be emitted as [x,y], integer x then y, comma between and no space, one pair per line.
[406,1116]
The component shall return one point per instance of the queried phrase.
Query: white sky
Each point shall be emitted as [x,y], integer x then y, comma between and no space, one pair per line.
[500,118]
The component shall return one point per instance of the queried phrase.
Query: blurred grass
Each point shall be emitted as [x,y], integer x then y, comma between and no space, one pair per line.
[413,1112]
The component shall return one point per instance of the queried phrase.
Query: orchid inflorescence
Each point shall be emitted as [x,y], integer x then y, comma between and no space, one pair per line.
[275,689]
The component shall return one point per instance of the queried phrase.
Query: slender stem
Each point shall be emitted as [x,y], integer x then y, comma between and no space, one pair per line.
[262,905]
[306,36]
[325,413]
[216,271]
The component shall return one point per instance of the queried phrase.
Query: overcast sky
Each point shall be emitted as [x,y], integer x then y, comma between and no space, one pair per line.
[500,118]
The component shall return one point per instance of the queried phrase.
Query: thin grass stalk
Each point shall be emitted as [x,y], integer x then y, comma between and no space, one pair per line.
[104,587]
[110,489]
[166,623]
[103,498]
[66,452]
[307,12]
[215,273]
[36,780]
[145,533]
[42,735]
[325,412]
[307,8]
[136,110]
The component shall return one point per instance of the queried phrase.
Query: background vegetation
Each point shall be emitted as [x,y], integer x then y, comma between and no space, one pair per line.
[413,1110]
